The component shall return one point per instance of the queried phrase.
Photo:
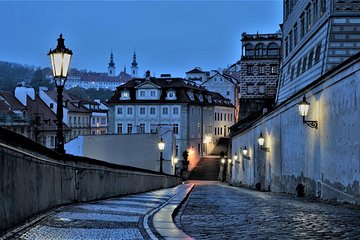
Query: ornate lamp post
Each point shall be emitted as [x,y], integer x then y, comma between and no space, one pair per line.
[161,146]
[60,61]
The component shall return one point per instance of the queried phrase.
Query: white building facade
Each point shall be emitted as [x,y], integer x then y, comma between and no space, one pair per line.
[142,105]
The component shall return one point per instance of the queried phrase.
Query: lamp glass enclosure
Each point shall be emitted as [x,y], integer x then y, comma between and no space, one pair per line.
[161,145]
[244,151]
[304,107]
[60,61]
[223,160]
[261,140]
[229,160]
[235,157]
[176,160]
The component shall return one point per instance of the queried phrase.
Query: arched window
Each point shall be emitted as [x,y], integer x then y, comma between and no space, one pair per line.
[260,50]
[249,50]
[273,49]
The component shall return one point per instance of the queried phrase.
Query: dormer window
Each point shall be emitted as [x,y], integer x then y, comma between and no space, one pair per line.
[208,98]
[191,95]
[200,97]
[170,95]
[125,95]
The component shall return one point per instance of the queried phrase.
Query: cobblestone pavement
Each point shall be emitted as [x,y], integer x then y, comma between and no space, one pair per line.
[116,218]
[216,211]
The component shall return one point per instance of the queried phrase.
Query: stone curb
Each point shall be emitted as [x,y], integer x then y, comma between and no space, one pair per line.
[163,220]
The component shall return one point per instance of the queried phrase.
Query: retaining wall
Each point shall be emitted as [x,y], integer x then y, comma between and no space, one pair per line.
[35,181]
[325,160]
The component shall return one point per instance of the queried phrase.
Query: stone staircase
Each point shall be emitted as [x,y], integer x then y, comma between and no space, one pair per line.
[207,169]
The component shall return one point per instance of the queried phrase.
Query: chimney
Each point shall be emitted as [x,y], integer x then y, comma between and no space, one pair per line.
[147,75]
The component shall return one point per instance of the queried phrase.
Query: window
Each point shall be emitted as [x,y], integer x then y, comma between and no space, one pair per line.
[317,53]
[227,93]
[175,111]
[152,111]
[171,95]
[142,93]
[210,129]
[286,46]
[249,69]
[176,128]
[165,111]
[125,95]
[315,7]
[249,50]
[292,73]
[198,148]
[225,117]
[273,69]
[322,7]
[250,89]
[215,116]
[52,141]
[302,25]
[273,49]
[295,34]
[75,120]
[260,50]
[120,111]
[70,120]
[103,121]
[177,150]
[142,128]
[262,88]
[119,128]
[79,120]
[142,111]
[129,111]
[221,115]
[298,68]
[308,17]
[261,70]
[51,105]
[311,54]
[129,128]
[290,41]
[152,93]
[304,64]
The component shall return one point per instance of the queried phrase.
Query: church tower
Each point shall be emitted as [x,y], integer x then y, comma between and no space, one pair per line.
[111,67]
[134,67]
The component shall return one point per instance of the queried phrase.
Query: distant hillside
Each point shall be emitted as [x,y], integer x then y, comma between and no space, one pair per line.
[13,73]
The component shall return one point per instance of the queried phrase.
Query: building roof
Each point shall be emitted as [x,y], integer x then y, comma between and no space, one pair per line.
[12,101]
[195,70]
[73,105]
[180,86]
[43,117]
[225,76]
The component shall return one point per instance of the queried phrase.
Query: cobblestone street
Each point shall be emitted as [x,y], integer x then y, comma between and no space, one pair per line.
[217,211]
[128,217]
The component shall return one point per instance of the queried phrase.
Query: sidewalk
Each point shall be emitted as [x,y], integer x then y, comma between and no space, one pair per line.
[139,216]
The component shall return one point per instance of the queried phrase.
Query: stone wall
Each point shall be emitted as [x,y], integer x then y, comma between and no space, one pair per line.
[35,181]
[325,160]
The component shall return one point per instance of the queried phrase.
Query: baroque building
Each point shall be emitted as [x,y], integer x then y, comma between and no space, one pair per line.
[197,116]
[317,36]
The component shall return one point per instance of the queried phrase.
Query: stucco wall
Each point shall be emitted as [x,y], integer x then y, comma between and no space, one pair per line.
[325,160]
[31,182]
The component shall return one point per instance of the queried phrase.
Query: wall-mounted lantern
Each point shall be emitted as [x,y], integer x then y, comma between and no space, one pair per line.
[235,157]
[303,109]
[261,141]
[223,160]
[244,153]
[229,160]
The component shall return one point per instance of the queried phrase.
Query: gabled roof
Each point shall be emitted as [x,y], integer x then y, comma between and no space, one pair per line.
[147,82]
[43,117]
[225,76]
[12,101]
[195,70]
[73,105]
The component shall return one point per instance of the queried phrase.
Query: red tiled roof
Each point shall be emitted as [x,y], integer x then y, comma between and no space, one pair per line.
[14,103]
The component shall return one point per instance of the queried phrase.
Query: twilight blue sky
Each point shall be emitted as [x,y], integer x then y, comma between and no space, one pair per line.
[169,36]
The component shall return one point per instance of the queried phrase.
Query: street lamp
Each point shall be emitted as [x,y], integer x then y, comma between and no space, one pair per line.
[60,62]
[303,110]
[161,145]
[245,152]
[261,141]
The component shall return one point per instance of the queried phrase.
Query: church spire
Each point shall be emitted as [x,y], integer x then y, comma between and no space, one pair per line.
[134,67]
[111,67]
[134,63]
